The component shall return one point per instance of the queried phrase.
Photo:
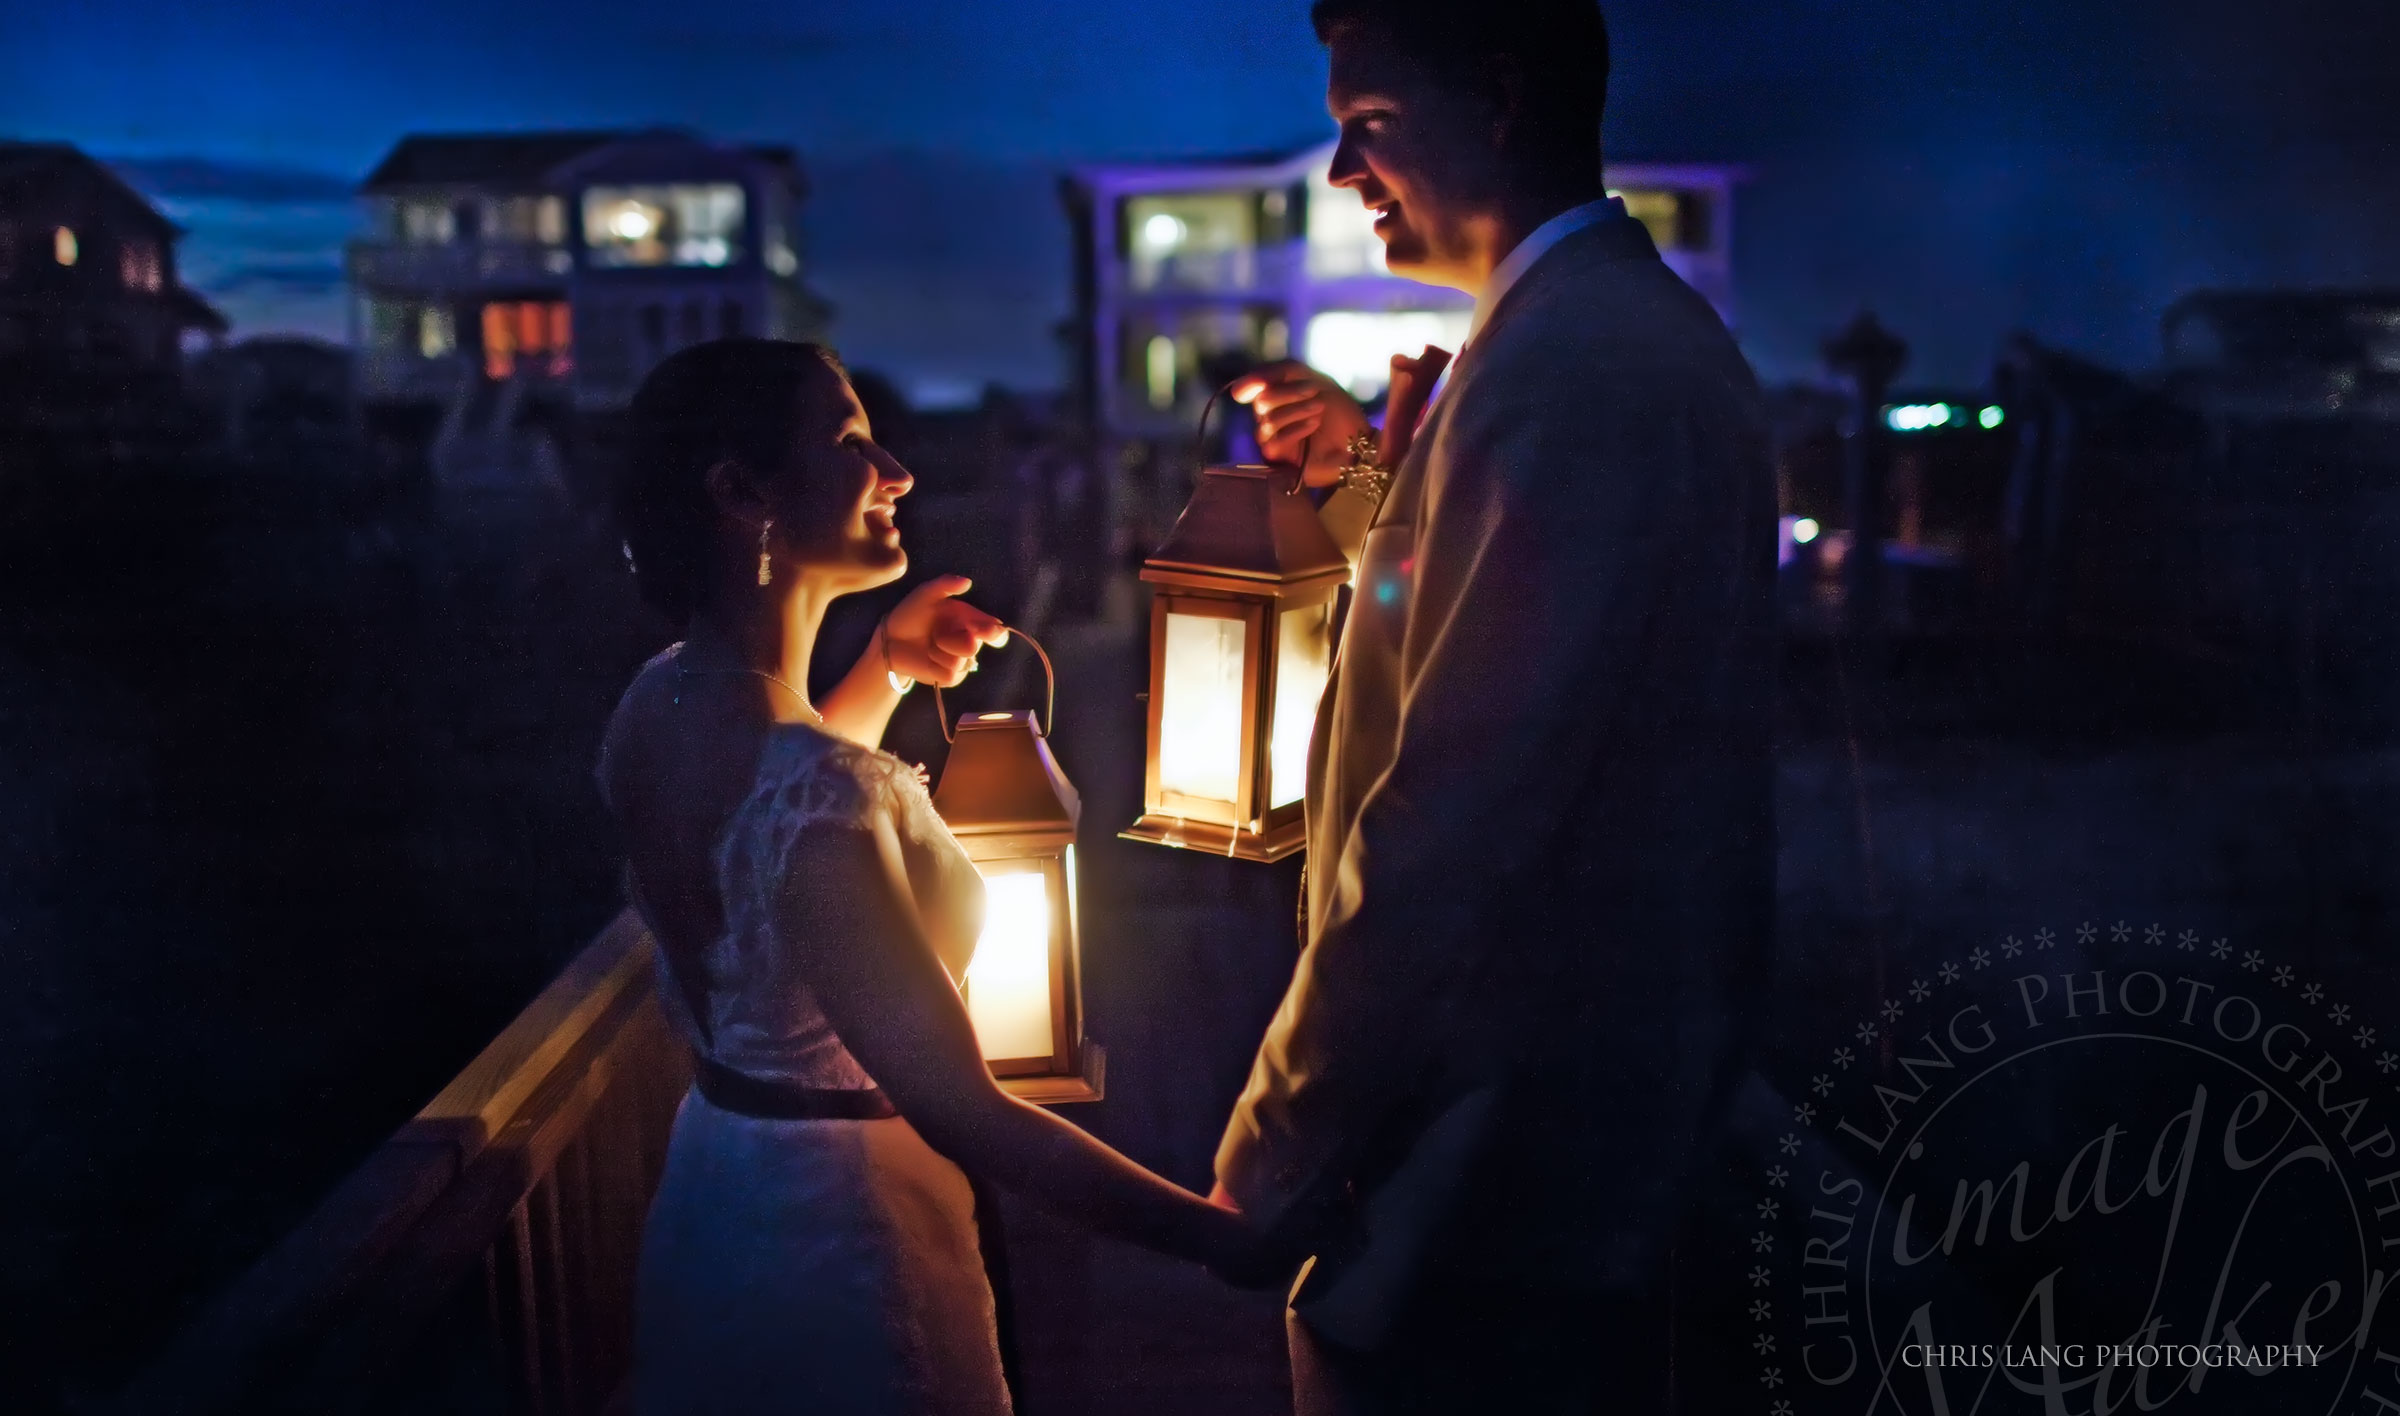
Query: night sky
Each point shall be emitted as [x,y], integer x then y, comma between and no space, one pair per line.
[2062,166]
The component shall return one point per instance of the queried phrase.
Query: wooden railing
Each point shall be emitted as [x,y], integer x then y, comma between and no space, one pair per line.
[483,1258]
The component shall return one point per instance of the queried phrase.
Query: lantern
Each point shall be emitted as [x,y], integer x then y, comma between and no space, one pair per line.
[1241,646]
[1014,813]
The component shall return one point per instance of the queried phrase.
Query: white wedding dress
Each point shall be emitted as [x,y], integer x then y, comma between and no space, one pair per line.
[811,1266]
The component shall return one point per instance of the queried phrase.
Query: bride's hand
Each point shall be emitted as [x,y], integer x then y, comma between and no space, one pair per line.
[932,636]
[1241,1255]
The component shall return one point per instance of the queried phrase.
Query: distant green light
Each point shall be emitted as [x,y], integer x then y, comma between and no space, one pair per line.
[1917,417]
[1992,417]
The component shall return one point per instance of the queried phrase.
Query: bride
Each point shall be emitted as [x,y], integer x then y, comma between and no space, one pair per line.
[812,1245]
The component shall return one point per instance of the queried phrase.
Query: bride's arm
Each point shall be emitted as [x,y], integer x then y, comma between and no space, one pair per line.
[932,636]
[860,706]
[895,1009]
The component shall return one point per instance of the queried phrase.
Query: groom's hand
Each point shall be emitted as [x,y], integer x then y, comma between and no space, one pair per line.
[1300,409]
[1250,1258]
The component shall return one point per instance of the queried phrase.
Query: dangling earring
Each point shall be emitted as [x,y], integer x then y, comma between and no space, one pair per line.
[766,562]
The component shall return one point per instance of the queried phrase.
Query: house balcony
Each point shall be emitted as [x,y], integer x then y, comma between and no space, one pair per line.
[458,266]
[1242,270]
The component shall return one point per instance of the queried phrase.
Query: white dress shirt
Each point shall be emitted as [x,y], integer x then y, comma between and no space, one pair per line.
[1512,268]
[1537,244]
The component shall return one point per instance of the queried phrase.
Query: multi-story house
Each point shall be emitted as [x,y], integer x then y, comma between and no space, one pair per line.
[1185,270]
[87,269]
[566,265]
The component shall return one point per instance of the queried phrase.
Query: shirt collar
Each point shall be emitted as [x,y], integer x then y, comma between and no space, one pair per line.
[1536,245]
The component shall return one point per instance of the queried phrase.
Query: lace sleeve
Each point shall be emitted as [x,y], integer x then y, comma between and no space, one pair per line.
[815,785]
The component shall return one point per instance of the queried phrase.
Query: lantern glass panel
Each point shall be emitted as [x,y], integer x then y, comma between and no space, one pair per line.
[1200,717]
[1008,980]
[1303,662]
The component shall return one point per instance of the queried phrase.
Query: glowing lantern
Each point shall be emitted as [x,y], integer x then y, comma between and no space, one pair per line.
[1241,646]
[1014,812]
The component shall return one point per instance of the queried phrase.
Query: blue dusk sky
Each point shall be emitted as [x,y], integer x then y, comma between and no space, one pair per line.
[1965,169]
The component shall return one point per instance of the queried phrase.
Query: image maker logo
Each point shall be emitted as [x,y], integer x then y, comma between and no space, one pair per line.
[2126,1171]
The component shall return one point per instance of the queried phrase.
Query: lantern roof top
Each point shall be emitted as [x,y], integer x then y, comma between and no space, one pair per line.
[1002,781]
[1250,523]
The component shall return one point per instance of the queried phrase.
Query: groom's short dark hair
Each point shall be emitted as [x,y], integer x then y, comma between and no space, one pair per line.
[1559,46]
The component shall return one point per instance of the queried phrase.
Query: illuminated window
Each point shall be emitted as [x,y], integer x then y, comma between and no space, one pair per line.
[138,266]
[1341,233]
[437,332]
[499,342]
[1355,347]
[684,225]
[550,222]
[1164,358]
[1275,224]
[533,326]
[1678,221]
[427,221]
[62,246]
[1159,363]
[1192,239]
[1662,212]
[536,331]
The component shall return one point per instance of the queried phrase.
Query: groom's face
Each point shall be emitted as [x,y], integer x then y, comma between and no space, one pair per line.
[1418,152]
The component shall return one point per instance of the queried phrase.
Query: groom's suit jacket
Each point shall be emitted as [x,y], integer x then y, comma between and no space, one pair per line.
[1539,830]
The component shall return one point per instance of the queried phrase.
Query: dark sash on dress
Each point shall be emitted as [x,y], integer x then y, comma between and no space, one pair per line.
[769,1100]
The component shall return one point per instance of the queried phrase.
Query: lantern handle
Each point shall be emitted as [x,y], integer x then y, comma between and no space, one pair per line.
[1200,438]
[1049,714]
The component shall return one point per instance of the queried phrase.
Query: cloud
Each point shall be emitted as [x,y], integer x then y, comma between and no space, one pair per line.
[208,178]
[286,279]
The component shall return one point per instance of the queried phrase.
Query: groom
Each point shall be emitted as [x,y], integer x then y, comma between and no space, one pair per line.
[1540,868]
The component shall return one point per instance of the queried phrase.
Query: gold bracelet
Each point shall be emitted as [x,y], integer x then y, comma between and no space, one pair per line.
[1363,474]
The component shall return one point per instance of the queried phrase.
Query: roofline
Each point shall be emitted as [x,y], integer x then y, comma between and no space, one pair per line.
[1182,174]
[598,137]
[109,177]
[784,157]
[1170,174]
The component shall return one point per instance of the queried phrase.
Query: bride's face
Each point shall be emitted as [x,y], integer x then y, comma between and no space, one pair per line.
[837,503]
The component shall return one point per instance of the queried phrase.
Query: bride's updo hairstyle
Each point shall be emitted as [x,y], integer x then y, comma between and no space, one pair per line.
[729,400]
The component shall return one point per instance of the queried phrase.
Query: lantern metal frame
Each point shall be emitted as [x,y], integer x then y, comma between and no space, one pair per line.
[1005,800]
[1249,548]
